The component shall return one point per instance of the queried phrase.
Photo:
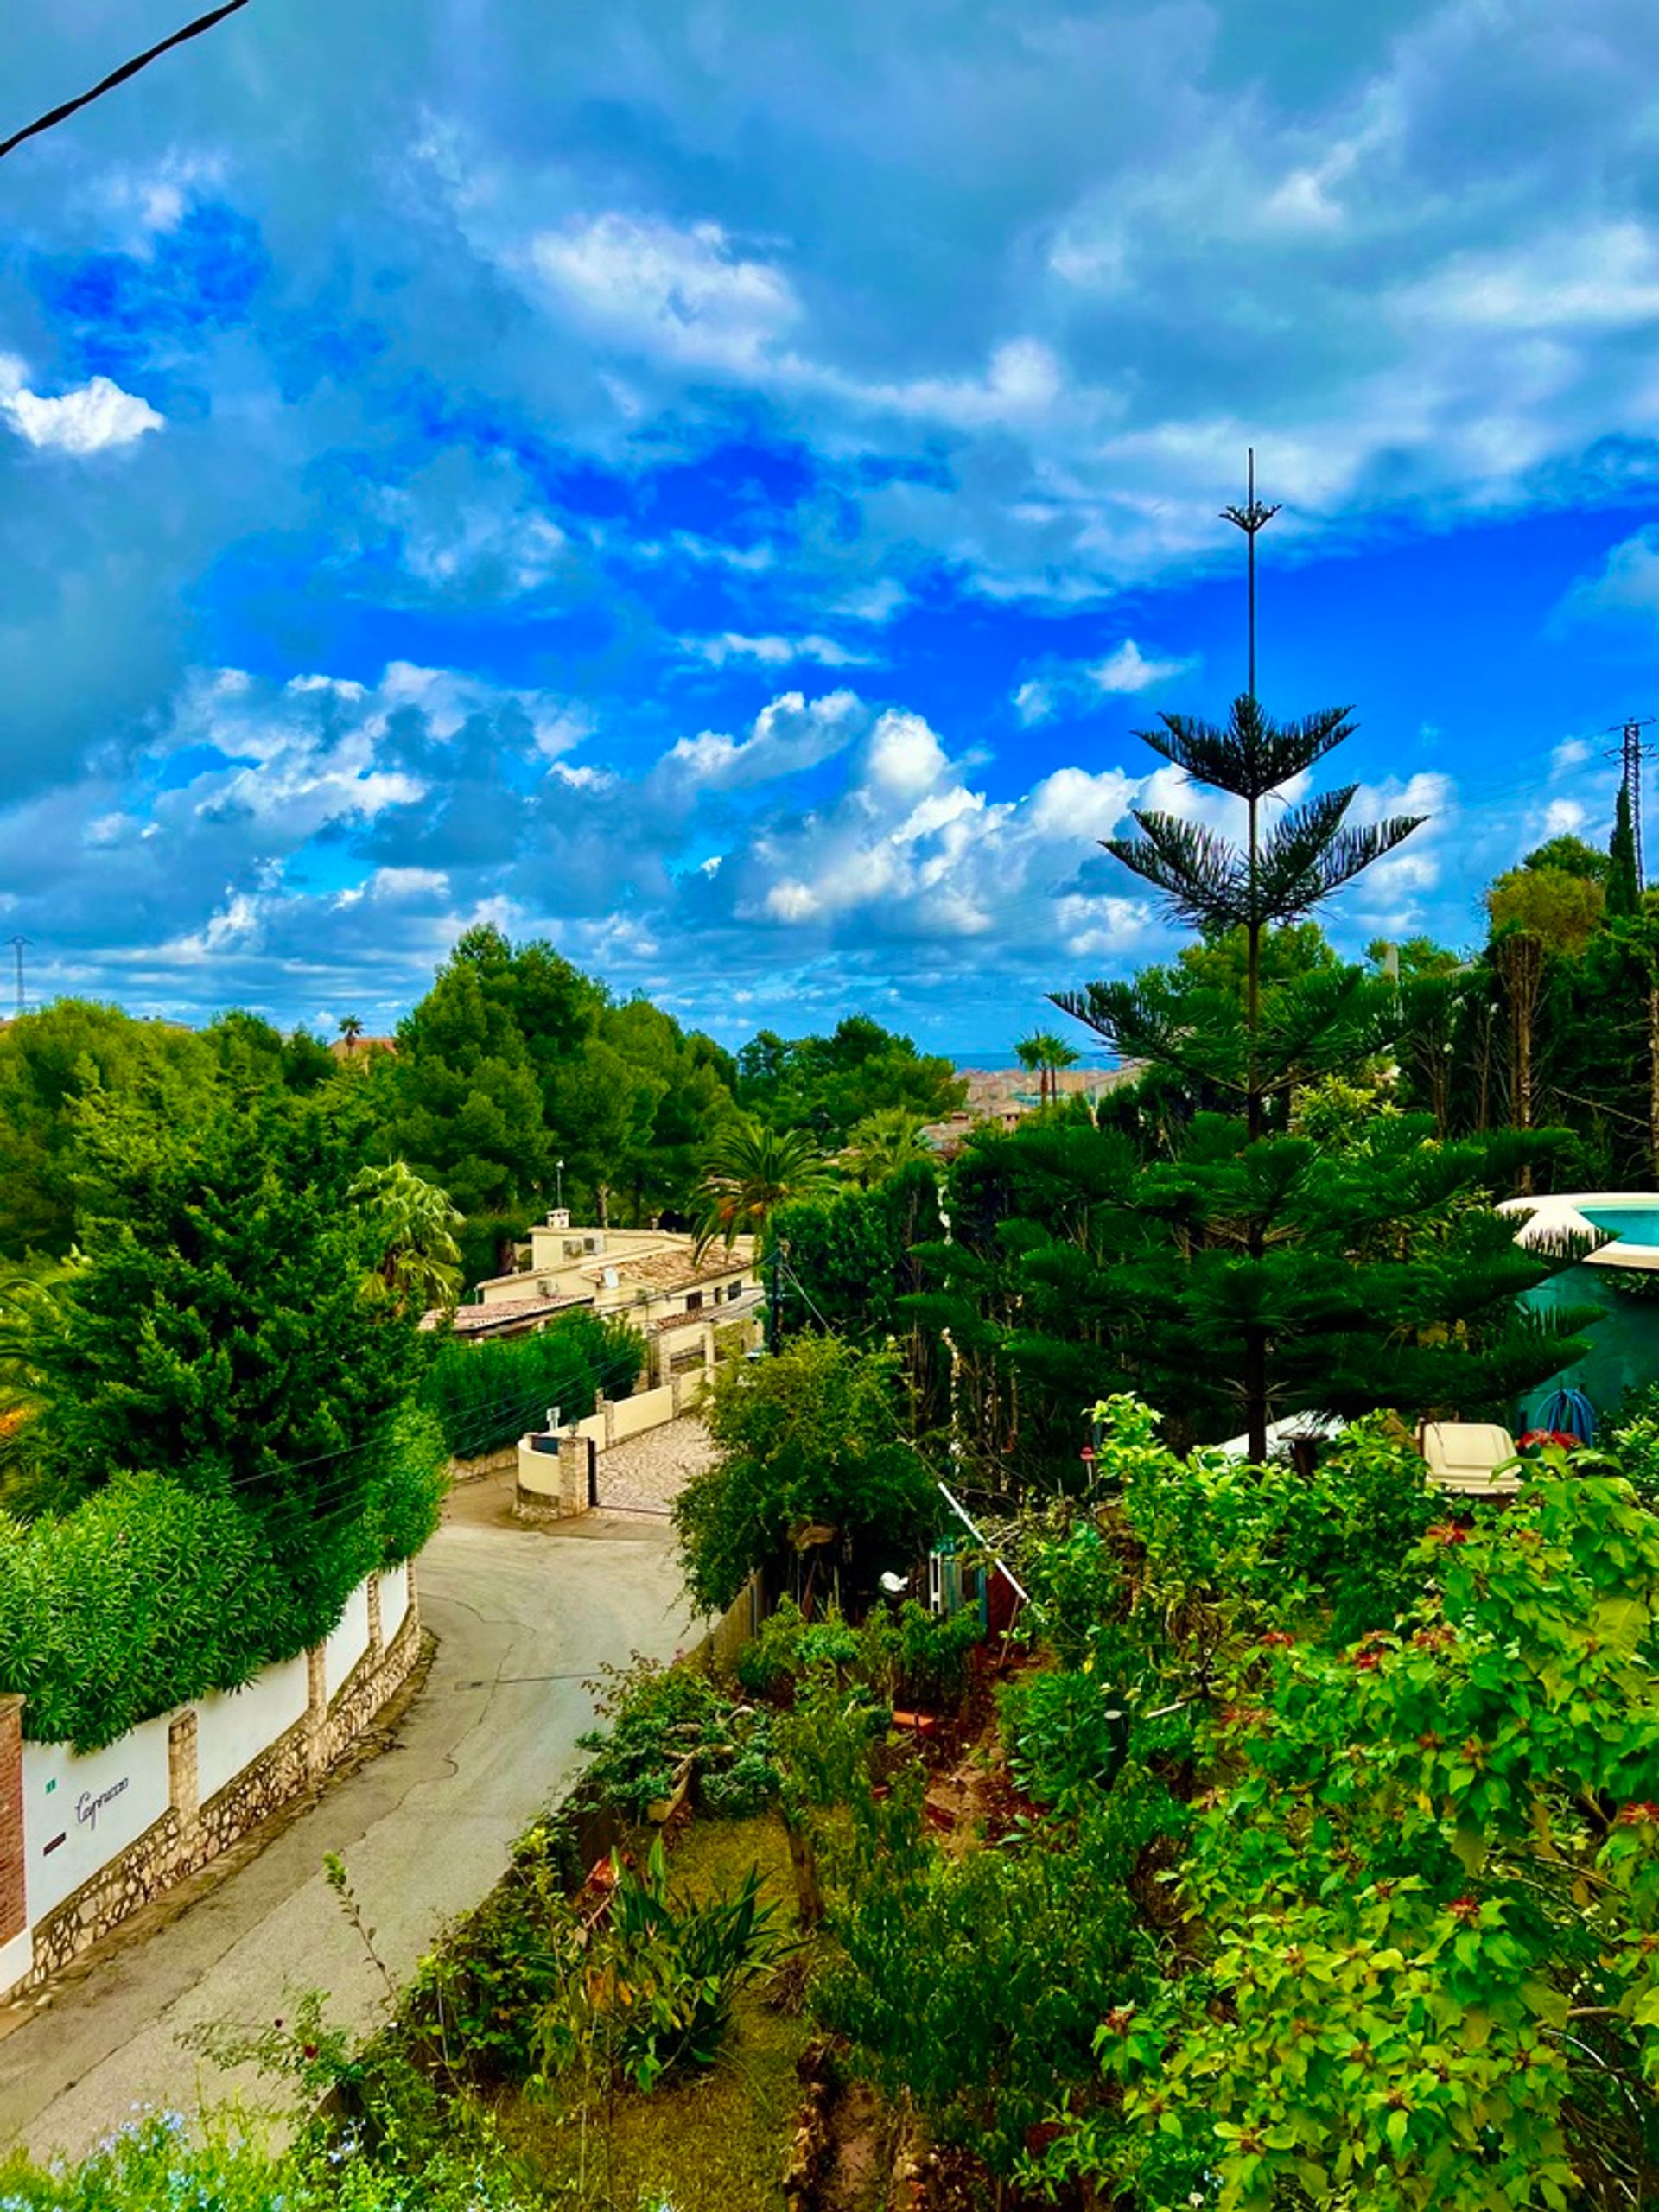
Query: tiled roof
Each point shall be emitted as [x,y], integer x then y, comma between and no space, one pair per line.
[479,1321]
[669,1271]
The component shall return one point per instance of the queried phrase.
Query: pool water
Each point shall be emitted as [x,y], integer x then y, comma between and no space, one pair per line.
[1630,1225]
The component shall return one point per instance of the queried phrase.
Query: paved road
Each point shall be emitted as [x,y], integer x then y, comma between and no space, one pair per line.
[424,1829]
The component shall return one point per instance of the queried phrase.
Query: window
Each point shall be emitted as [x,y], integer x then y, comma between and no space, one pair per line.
[694,1301]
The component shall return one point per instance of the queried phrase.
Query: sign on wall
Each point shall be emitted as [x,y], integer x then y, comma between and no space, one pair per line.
[83,1808]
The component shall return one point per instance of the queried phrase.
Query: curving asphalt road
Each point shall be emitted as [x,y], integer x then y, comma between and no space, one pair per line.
[522,1618]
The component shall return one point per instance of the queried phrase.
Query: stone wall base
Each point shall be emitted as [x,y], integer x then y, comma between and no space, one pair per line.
[505,1461]
[178,1846]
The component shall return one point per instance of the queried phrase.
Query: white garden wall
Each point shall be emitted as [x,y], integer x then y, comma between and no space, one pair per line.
[346,1645]
[83,1808]
[394,1601]
[234,1726]
[103,1831]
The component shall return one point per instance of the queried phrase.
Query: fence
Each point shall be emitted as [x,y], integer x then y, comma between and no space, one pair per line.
[87,1837]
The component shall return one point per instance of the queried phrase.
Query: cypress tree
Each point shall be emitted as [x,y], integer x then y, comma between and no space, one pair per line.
[1624,892]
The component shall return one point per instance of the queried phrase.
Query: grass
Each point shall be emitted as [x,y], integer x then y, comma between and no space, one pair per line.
[715,2142]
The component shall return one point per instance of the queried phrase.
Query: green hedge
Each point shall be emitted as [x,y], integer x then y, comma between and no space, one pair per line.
[149,1594]
[486,1395]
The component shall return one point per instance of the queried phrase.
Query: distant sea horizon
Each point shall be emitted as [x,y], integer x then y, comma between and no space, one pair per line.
[995,1057]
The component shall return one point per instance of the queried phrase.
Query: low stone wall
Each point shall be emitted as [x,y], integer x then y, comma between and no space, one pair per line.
[191,1832]
[488,1463]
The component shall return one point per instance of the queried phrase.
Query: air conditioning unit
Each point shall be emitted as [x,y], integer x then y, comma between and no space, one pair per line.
[573,1247]
[591,1244]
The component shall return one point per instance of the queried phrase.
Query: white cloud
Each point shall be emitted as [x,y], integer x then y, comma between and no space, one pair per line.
[688,294]
[1627,583]
[96,416]
[1077,685]
[1129,670]
[775,651]
[787,738]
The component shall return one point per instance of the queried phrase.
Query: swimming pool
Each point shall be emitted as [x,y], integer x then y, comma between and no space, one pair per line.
[1629,1224]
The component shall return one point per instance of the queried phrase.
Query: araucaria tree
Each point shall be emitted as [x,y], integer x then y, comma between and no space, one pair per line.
[1308,854]
[1235,1256]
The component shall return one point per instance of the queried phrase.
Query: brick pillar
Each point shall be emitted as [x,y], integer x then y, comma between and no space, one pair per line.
[376,1640]
[14,1906]
[316,1713]
[183,1781]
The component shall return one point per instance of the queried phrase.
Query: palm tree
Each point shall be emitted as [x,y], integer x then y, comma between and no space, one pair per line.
[883,1143]
[414,1228]
[351,1028]
[747,1172]
[1048,1054]
[1055,1054]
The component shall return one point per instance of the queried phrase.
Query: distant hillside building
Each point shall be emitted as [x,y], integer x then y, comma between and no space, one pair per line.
[1003,1096]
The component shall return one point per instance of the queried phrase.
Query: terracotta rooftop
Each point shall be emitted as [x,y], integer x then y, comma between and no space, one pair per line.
[667,1271]
[479,1321]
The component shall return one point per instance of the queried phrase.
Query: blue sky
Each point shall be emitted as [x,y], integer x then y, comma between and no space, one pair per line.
[721,486]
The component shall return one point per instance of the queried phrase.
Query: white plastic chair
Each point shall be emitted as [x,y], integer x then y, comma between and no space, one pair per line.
[1466,1457]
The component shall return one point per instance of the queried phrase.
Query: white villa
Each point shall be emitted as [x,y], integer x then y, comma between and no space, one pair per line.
[651,1278]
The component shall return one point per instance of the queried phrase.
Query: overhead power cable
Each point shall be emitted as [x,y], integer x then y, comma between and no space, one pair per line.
[119,76]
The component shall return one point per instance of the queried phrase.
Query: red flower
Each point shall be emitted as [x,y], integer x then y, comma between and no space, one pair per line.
[1637,1815]
[1447,1532]
[1464,1909]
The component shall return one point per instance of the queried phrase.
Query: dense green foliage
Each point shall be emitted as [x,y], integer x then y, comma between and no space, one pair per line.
[1359,1274]
[220,1427]
[486,1395]
[809,1439]
[1339,1878]
[828,1085]
[53,1062]
[665,1725]
[150,1593]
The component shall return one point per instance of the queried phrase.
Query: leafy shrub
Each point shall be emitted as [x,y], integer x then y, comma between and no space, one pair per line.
[651,1991]
[977,1983]
[1067,1733]
[1270,1541]
[143,1596]
[1635,1447]
[148,1595]
[917,1658]
[411,1477]
[932,1653]
[811,1436]
[663,1719]
[486,1395]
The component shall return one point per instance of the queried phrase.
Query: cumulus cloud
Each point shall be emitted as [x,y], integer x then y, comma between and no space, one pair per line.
[89,420]
[687,293]
[1626,585]
[789,737]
